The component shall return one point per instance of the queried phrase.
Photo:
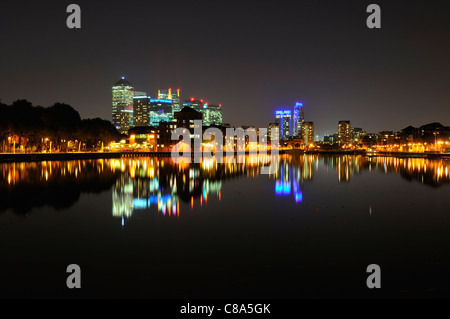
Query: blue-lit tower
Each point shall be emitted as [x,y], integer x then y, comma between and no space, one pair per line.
[299,118]
[284,119]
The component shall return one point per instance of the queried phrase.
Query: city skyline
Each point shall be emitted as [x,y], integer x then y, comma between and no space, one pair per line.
[213,158]
[292,128]
[397,75]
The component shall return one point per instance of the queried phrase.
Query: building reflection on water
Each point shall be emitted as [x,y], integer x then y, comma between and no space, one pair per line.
[291,175]
[147,183]
[158,183]
[29,185]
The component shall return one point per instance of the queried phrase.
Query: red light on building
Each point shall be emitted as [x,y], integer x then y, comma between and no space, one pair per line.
[220,105]
[192,99]
[201,100]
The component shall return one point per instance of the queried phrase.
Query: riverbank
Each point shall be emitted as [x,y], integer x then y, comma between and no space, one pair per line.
[410,155]
[380,154]
[39,157]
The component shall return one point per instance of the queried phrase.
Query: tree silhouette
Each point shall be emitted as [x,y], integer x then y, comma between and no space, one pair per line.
[37,126]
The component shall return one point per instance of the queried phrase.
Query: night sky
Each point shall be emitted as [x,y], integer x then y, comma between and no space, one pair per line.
[252,57]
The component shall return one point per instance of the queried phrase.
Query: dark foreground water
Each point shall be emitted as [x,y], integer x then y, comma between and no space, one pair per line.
[148,228]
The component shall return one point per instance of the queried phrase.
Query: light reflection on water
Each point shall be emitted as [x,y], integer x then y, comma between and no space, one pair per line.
[308,230]
[145,183]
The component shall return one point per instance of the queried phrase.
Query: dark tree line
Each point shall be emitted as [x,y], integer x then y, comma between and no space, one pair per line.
[59,126]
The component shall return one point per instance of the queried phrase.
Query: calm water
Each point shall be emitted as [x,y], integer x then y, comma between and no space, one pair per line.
[148,228]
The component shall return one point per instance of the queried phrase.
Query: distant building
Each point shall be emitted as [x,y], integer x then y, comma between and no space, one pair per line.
[160,111]
[284,119]
[125,118]
[122,105]
[186,117]
[144,136]
[344,132]
[299,118]
[194,104]
[165,135]
[140,93]
[176,105]
[141,110]
[356,133]
[152,138]
[212,114]
[275,128]
[169,95]
[308,132]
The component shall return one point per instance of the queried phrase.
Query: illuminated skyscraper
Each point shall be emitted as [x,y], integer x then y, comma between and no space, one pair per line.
[194,104]
[122,105]
[141,110]
[176,105]
[212,114]
[344,132]
[160,111]
[169,95]
[308,132]
[165,94]
[284,119]
[299,118]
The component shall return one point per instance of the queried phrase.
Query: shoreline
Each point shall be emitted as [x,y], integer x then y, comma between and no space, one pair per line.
[38,157]
[384,154]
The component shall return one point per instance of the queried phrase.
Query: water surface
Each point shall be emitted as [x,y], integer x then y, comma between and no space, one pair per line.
[149,228]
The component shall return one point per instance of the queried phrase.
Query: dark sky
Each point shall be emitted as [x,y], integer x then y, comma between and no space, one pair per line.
[251,57]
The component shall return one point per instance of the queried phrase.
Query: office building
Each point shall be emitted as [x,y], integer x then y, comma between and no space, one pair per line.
[308,132]
[170,95]
[141,110]
[275,128]
[122,105]
[160,111]
[344,132]
[356,134]
[284,119]
[299,118]
[194,104]
[212,114]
